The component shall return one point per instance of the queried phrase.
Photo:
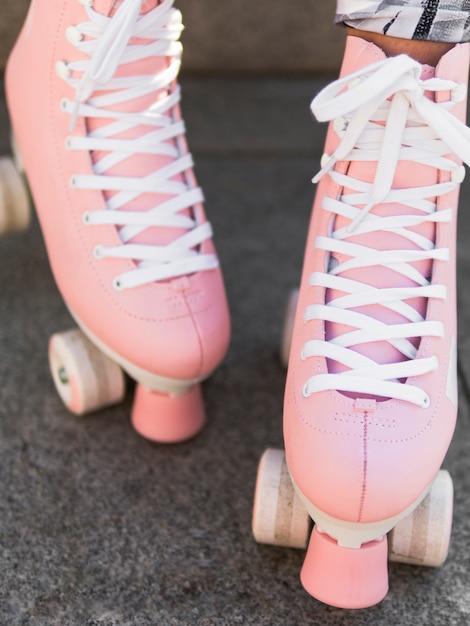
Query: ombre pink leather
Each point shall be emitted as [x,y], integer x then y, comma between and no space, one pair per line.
[178,329]
[356,459]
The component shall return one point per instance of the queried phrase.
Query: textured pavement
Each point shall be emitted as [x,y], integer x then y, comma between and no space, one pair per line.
[100,527]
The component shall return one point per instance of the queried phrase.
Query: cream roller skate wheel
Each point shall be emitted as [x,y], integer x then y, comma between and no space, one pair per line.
[423,537]
[85,378]
[288,329]
[279,517]
[16,155]
[14,199]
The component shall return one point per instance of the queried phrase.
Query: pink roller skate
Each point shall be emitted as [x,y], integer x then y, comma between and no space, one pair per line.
[94,102]
[371,395]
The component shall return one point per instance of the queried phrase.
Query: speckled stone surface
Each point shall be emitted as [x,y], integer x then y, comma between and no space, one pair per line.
[236,36]
[99,527]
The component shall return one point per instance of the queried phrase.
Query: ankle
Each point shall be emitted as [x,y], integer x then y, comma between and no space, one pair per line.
[428,52]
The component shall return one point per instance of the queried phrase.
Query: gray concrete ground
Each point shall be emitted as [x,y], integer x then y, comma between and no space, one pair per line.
[99,527]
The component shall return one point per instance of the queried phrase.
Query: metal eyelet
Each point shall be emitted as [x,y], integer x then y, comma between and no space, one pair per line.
[426,403]
[62,70]
[458,175]
[305,391]
[340,125]
[117,284]
[73,35]
[98,252]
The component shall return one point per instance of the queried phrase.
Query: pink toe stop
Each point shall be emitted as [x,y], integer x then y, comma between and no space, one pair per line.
[345,577]
[165,418]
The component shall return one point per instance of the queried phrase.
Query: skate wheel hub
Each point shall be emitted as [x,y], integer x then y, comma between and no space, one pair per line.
[85,379]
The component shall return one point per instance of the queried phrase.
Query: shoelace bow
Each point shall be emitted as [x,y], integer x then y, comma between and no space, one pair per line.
[382,114]
[107,43]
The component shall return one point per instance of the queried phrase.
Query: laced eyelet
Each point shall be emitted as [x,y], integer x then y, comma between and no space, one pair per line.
[98,252]
[305,391]
[426,403]
[86,218]
[62,70]
[340,125]
[73,35]
[458,175]
[117,284]
[73,182]
[63,104]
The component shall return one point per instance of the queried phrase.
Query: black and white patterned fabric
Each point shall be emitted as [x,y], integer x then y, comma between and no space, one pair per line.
[432,20]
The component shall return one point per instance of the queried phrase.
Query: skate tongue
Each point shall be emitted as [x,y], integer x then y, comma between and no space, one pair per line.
[109,7]
[139,164]
[362,54]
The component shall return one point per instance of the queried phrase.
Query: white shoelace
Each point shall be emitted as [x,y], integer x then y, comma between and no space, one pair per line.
[381,114]
[106,41]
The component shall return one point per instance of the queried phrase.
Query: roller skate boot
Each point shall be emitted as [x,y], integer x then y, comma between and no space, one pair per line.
[94,99]
[371,392]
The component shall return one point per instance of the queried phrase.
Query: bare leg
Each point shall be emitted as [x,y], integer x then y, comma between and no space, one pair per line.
[423,51]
